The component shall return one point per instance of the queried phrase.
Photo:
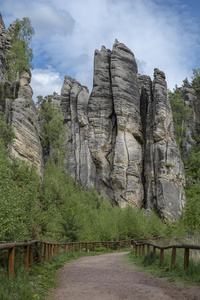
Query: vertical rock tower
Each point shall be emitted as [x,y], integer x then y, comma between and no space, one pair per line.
[121,137]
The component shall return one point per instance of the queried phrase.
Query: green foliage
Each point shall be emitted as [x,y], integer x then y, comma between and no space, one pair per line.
[116,43]
[20,55]
[196,81]
[6,132]
[169,165]
[148,264]
[53,129]
[181,115]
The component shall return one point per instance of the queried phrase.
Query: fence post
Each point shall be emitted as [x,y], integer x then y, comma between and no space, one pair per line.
[45,251]
[107,244]
[42,252]
[133,245]
[186,258]
[65,248]
[31,255]
[73,248]
[58,248]
[161,256]
[143,249]
[173,257]
[11,262]
[140,250]
[154,252]
[26,261]
[148,249]
[93,247]
[86,247]
[49,251]
[80,246]
[54,250]
[136,249]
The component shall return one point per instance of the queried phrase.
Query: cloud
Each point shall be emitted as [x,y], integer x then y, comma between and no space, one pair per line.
[161,33]
[45,82]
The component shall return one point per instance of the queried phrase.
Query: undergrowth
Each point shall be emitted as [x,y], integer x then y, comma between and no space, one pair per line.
[176,273]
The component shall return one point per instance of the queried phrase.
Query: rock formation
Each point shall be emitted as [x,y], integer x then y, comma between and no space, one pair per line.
[5,45]
[191,100]
[21,112]
[23,118]
[163,168]
[121,137]
[74,101]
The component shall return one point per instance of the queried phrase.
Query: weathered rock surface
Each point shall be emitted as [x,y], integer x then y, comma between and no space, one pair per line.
[163,168]
[121,138]
[191,100]
[5,45]
[23,118]
[74,101]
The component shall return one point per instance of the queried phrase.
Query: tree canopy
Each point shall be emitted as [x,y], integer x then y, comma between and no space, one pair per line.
[20,56]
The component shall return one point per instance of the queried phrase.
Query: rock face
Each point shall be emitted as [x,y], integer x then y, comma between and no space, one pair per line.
[20,113]
[23,118]
[163,169]
[121,137]
[74,101]
[5,45]
[191,100]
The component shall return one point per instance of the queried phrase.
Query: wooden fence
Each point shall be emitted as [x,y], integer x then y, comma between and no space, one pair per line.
[140,249]
[47,250]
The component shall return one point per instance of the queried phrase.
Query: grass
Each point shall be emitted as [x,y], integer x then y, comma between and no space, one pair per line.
[190,276]
[42,276]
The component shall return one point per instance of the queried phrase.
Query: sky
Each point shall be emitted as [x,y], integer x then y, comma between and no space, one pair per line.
[162,34]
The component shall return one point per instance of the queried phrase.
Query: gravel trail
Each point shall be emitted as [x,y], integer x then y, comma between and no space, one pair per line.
[105,277]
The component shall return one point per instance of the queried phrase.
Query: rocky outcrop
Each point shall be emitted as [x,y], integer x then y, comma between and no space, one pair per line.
[74,101]
[163,168]
[21,112]
[121,138]
[5,45]
[23,118]
[192,132]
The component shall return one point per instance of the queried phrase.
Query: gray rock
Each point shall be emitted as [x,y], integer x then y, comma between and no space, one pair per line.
[164,177]
[192,132]
[74,101]
[23,118]
[121,138]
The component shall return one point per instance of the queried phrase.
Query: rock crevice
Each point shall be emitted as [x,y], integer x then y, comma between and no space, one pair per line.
[121,137]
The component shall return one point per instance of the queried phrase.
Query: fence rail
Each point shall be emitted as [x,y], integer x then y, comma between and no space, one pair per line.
[49,249]
[187,247]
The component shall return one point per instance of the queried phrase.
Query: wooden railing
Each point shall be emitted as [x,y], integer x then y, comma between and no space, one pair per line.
[47,250]
[140,249]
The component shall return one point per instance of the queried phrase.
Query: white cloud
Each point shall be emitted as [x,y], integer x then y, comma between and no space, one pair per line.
[160,33]
[45,82]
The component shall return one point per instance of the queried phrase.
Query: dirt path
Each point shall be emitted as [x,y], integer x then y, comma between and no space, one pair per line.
[103,277]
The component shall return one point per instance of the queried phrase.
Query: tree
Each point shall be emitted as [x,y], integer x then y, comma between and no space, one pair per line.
[53,129]
[196,81]
[181,114]
[20,56]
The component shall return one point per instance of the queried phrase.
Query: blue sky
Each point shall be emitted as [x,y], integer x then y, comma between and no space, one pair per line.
[161,34]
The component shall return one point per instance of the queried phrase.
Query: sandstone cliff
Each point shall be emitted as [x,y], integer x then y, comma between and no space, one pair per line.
[121,137]
[21,112]
[192,133]
[23,117]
